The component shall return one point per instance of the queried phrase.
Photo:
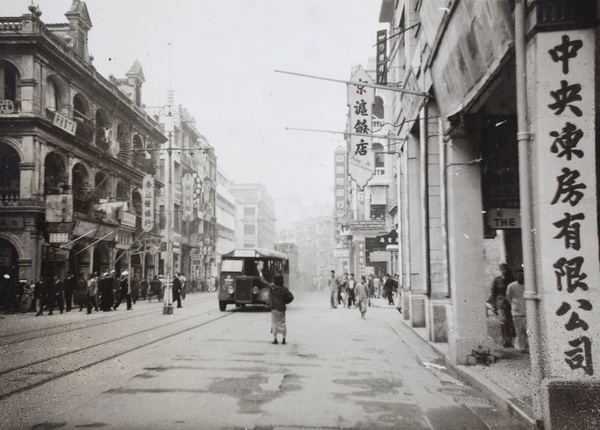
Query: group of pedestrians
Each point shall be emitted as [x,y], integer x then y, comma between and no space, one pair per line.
[507,302]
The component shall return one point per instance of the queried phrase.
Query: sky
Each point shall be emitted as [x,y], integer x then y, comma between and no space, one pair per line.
[220,56]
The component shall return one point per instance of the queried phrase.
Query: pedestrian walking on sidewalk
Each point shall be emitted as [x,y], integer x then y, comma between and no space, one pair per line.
[362,296]
[351,291]
[57,295]
[334,286]
[124,291]
[279,297]
[500,305]
[514,296]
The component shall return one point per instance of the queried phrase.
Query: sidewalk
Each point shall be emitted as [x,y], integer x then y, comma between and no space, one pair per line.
[507,381]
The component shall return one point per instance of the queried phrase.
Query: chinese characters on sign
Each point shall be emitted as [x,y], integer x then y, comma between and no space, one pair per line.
[64,123]
[568,201]
[382,57]
[340,182]
[187,184]
[148,203]
[360,99]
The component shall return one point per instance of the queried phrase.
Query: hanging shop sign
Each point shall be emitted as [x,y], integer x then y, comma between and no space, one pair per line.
[127,219]
[361,262]
[367,225]
[390,238]
[197,196]
[340,176]
[565,175]
[341,253]
[381,57]
[148,203]
[361,165]
[59,207]
[59,237]
[187,184]
[504,219]
[64,123]
[379,256]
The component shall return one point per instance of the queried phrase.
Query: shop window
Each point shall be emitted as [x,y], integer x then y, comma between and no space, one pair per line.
[377,211]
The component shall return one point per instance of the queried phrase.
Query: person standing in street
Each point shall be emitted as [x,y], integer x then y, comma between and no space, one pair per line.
[342,291]
[362,296]
[124,292]
[376,287]
[56,294]
[351,291]
[279,297]
[514,296]
[135,288]
[154,289]
[334,286]
[80,291]
[69,288]
[177,290]
[388,289]
[91,292]
[105,287]
[500,305]
[40,294]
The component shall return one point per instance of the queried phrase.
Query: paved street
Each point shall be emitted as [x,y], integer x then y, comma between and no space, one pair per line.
[201,368]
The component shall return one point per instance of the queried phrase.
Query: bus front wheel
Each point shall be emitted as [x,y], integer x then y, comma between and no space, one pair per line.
[222,305]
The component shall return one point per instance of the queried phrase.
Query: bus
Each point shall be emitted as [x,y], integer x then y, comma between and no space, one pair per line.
[239,282]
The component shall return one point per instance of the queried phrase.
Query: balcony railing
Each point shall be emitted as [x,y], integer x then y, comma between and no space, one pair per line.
[9,194]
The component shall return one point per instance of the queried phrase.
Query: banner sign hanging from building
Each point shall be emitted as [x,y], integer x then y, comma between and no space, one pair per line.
[148,203]
[361,164]
[340,176]
[382,57]
[566,227]
[187,185]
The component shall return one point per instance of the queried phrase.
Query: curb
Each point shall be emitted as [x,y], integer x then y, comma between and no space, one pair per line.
[499,395]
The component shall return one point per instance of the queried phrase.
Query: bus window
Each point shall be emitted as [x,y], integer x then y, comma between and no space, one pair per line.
[232,266]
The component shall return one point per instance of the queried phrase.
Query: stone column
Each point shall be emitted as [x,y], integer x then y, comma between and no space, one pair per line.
[467,322]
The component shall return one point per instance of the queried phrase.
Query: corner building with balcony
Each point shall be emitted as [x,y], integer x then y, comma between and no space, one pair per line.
[72,151]
[499,164]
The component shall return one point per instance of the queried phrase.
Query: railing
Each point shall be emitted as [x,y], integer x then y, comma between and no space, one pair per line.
[85,128]
[9,194]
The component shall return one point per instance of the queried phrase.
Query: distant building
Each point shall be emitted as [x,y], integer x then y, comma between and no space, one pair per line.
[226,216]
[194,175]
[255,226]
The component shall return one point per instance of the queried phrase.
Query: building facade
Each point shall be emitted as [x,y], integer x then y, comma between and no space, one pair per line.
[77,179]
[226,216]
[193,176]
[255,220]
[498,164]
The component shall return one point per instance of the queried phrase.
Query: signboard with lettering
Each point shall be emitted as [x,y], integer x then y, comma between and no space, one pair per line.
[379,256]
[128,219]
[505,218]
[59,207]
[59,237]
[367,225]
[6,106]
[361,165]
[148,203]
[12,222]
[64,123]
[341,253]
[340,176]
[382,57]
[566,225]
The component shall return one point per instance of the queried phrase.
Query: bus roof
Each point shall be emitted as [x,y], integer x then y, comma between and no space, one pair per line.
[255,253]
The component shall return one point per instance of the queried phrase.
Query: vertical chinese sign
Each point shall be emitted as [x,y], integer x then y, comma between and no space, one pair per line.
[187,186]
[361,164]
[566,206]
[381,57]
[340,182]
[148,203]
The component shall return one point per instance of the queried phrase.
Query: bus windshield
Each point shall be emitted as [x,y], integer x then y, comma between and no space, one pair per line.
[232,266]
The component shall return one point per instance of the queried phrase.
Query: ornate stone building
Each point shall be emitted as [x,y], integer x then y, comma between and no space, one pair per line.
[77,182]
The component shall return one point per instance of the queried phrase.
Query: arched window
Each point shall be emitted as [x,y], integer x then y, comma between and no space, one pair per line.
[123,191]
[9,173]
[8,79]
[56,179]
[378,108]
[82,199]
[103,131]
[85,128]
[52,96]
[124,140]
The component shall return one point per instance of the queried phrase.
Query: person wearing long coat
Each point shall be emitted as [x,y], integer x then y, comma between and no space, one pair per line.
[106,293]
[279,296]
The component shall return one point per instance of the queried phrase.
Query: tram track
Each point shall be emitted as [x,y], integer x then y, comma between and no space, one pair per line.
[15,375]
[113,316]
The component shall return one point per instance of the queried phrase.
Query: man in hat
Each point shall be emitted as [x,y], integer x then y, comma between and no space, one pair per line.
[177,290]
[124,291]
